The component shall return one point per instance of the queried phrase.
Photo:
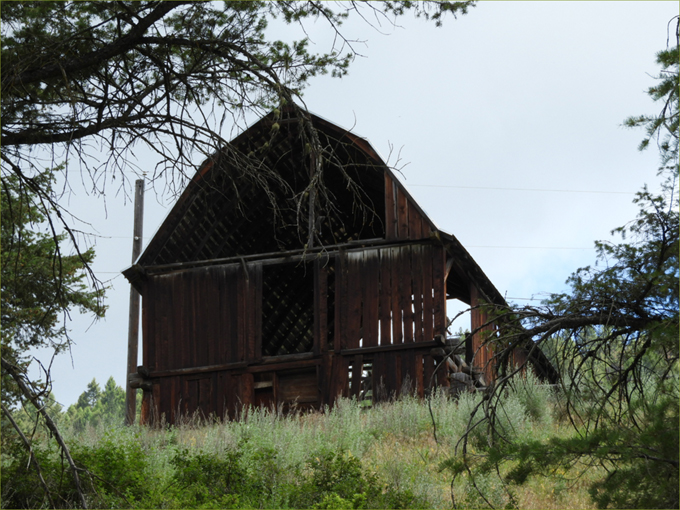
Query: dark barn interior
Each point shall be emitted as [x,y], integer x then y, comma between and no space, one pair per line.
[242,306]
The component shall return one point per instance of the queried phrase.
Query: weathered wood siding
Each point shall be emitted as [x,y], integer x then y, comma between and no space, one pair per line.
[479,351]
[403,218]
[389,297]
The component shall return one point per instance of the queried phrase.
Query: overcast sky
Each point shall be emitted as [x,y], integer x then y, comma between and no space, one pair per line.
[509,126]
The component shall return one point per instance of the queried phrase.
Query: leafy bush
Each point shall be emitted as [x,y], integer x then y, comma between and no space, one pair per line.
[115,470]
[339,480]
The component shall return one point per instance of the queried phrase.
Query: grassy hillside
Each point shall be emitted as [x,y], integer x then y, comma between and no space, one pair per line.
[347,457]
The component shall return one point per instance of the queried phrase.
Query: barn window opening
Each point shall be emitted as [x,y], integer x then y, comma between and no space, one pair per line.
[287,309]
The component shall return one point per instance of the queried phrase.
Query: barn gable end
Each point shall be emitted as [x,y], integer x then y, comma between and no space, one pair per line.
[241,306]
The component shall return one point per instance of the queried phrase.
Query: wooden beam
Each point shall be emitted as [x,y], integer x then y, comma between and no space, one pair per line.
[133,319]
[390,348]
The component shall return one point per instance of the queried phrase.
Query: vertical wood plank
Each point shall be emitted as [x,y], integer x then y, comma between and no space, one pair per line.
[340,301]
[250,312]
[352,327]
[428,304]
[438,271]
[417,278]
[257,312]
[357,366]
[442,378]
[428,369]
[222,318]
[407,293]
[174,389]
[339,378]
[390,209]
[481,351]
[325,372]
[242,300]
[203,321]
[397,298]
[408,373]
[247,387]
[232,305]
[385,297]
[425,227]
[371,297]
[419,376]
[181,349]
[415,223]
[402,211]
[380,393]
[148,326]
[320,308]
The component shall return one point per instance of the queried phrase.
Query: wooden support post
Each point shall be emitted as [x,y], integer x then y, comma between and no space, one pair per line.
[133,325]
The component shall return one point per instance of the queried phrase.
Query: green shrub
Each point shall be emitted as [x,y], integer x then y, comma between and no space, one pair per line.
[208,480]
[339,480]
[115,470]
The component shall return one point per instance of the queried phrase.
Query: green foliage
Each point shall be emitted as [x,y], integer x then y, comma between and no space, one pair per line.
[39,282]
[95,406]
[209,480]
[663,127]
[115,471]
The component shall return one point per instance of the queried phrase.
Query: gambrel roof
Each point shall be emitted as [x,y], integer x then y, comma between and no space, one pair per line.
[240,204]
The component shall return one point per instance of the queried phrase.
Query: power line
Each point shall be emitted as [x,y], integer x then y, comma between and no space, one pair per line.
[522,189]
[531,247]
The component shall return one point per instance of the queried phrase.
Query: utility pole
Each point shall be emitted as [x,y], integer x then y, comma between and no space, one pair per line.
[133,325]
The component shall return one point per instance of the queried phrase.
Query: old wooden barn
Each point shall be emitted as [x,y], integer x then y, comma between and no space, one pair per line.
[242,306]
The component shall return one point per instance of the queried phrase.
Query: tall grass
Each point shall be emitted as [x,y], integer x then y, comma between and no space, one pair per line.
[382,456]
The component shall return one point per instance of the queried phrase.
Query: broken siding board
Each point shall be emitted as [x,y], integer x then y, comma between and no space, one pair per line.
[439,284]
[385,297]
[357,369]
[371,297]
[417,276]
[352,327]
[397,298]
[407,293]
[428,305]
